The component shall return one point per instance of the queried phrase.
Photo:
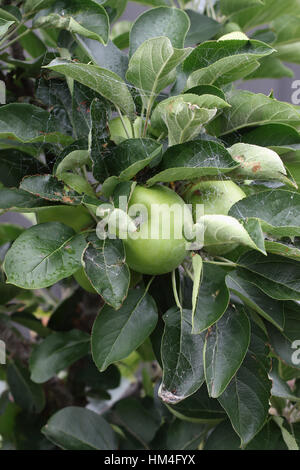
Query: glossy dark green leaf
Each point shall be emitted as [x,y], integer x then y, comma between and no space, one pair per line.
[108,84]
[192,160]
[83,17]
[279,137]
[75,428]
[279,270]
[35,125]
[104,264]
[269,308]
[277,210]
[226,345]
[181,435]
[253,109]
[213,298]
[199,408]
[95,380]
[182,357]
[64,316]
[27,394]
[136,419]
[246,399]
[117,333]
[43,255]
[163,21]
[57,352]
[223,437]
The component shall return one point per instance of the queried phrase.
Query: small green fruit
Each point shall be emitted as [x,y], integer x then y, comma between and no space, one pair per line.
[150,254]
[83,281]
[118,133]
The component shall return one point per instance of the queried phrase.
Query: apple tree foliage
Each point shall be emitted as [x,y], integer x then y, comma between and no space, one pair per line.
[206,356]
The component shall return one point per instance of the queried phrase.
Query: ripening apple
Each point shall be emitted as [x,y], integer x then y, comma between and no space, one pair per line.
[152,250]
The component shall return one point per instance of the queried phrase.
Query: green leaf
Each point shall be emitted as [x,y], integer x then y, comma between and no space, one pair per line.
[289,52]
[131,156]
[75,428]
[275,270]
[283,348]
[270,67]
[97,140]
[281,138]
[198,408]
[270,309]
[27,394]
[253,109]
[50,188]
[280,388]
[17,200]
[229,7]
[118,333]
[83,17]
[77,183]
[104,264]
[43,255]
[202,28]
[277,210]
[220,62]
[246,399]
[34,126]
[213,298]
[4,26]
[163,21]
[182,357]
[183,117]
[74,159]
[283,249]
[192,160]
[223,437]
[15,164]
[287,436]
[223,229]
[181,435]
[32,6]
[106,83]
[287,29]
[226,345]
[256,15]
[109,56]
[153,66]
[258,163]
[136,419]
[57,352]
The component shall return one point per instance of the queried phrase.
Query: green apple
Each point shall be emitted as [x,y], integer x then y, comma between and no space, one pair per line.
[216,196]
[77,217]
[84,281]
[152,250]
